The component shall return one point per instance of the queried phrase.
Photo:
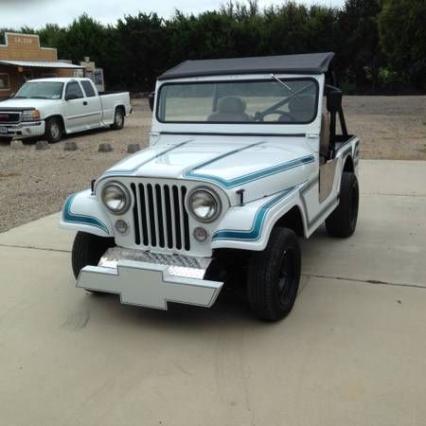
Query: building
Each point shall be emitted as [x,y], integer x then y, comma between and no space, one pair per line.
[95,74]
[22,58]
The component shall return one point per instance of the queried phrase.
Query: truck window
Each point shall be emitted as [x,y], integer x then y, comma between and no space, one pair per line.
[88,88]
[74,90]
[40,90]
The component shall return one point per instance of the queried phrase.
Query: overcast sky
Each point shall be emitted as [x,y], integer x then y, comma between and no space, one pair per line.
[36,13]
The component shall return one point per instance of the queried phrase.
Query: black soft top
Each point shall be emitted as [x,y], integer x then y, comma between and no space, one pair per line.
[307,63]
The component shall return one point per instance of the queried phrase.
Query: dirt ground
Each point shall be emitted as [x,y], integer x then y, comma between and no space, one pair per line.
[36,183]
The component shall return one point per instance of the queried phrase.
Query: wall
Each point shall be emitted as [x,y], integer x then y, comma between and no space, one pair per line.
[26,47]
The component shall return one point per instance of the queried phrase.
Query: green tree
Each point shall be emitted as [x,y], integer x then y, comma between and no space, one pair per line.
[144,49]
[52,35]
[402,25]
[359,48]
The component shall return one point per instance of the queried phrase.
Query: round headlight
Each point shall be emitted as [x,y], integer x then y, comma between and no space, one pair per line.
[116,198]
[204,205]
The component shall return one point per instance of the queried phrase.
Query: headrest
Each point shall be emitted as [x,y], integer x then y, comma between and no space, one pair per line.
[231,105]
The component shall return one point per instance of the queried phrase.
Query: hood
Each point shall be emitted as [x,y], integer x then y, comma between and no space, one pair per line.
[255,165]
[24,103]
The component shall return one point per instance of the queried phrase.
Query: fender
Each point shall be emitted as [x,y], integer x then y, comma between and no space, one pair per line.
[248,227]
[60,116]
[82,212]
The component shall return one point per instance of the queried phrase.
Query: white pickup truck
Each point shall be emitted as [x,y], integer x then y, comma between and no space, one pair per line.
[51,107]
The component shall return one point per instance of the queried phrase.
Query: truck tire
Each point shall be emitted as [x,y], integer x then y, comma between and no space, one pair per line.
[342,222]
[274,275]
[87,250]
[118,119]
[54,130]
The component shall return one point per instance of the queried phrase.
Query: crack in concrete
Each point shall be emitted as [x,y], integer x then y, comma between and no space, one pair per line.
[368,281]
[34,248]
[388,194]
[357,280]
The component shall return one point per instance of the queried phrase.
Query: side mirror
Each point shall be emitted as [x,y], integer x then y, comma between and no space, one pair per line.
[334,99]
[151,100]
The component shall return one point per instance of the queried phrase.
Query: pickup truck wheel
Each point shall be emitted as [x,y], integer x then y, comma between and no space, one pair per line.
[88,250]
[274,275]
[118,119]
[54,130]
[342,222]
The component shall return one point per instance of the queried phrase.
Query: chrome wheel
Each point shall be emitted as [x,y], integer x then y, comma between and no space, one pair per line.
[55,131]
[118,120]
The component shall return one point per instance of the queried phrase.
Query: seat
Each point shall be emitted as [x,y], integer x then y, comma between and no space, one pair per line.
[324,149]
[230,109]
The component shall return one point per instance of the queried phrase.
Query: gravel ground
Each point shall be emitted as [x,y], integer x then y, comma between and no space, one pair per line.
[36,183]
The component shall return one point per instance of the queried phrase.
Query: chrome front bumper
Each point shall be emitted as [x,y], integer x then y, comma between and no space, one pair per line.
[22,130]
[151,280]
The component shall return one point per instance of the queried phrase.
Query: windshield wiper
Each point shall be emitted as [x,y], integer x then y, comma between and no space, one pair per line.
[282,83]
[261,114]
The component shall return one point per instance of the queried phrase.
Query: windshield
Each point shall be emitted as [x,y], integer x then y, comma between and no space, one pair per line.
[40,90]
[284,101]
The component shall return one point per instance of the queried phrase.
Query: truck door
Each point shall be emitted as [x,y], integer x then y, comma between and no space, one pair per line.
[76,115]
[93,107]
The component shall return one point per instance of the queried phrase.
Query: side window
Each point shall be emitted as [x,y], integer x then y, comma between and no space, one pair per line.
[88,88]
[4,81]
[73,91]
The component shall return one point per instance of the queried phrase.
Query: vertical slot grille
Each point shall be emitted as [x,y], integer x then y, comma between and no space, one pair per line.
[160,217]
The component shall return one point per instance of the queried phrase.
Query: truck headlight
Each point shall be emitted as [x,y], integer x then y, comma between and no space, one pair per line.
[116,198]
[31,115]
[204,204]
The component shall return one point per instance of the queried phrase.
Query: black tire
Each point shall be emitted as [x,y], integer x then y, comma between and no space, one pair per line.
[54,130]
[342,222]
[119,119]
[87,250]
[274,275]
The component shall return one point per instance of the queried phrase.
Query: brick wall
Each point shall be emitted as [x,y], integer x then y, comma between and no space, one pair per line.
[26,47]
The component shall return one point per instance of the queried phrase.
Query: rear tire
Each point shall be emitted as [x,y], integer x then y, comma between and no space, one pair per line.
[342,222]
[54,130]
[88,250]
[118,119]
[274,275]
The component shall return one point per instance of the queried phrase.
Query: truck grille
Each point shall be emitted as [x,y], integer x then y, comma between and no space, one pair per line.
[160,217]
[9,117]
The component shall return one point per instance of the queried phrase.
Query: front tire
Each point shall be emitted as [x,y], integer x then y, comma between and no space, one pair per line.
[54,130]
[274,275]
[118,119]
[342,222]
[88,250]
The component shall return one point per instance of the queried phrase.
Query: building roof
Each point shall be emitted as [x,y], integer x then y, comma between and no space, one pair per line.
[309,63]
[40,64]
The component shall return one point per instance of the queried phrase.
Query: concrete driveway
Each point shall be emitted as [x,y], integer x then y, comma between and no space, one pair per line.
[353,351]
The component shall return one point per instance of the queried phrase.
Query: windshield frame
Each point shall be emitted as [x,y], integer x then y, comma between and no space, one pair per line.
[62,85]
[233,81]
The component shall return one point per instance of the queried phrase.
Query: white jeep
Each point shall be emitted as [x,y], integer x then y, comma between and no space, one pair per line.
[244,158]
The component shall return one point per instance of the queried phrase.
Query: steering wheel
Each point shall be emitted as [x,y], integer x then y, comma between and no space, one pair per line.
[284,116]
